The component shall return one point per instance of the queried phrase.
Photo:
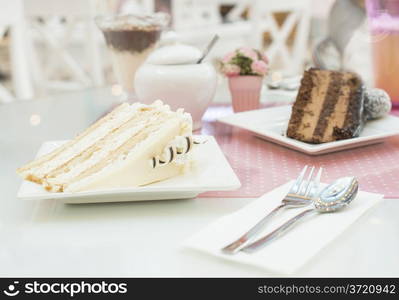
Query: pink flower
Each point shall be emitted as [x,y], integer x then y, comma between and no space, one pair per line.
[249,52]
[231,70]
[264,58]
[226,59]
[259,67]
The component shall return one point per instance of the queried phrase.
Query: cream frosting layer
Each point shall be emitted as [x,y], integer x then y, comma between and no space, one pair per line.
[115,152]
[132,168]
[112,143]
[87,141]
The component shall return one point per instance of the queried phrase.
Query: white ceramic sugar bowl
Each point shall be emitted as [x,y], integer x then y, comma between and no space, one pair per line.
[171,74]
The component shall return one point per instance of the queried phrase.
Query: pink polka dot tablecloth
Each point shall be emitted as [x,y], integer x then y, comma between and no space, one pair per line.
[262,166]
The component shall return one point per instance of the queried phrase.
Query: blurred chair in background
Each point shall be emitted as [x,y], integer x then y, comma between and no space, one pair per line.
[11,18]
[57,28]
[196,22]
[60,47]
[280,27]
[295,26]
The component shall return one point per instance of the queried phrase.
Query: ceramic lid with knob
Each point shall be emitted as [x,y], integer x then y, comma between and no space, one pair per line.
[174,54]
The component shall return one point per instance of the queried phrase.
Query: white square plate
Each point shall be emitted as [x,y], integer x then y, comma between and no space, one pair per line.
[211,172]
[271,124]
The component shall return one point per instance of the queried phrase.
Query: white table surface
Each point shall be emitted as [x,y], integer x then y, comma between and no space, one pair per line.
[47,238]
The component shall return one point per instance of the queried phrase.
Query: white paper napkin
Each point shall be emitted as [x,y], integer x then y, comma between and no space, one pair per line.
[291,251]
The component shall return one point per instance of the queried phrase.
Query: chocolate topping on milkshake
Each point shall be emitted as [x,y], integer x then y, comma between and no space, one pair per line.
[134,40]
[132,33]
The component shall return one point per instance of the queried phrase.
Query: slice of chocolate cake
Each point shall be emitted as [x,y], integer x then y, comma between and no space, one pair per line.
[328,107]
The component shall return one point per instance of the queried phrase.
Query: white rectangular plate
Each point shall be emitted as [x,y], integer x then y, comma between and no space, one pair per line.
[271,124]
[210,172]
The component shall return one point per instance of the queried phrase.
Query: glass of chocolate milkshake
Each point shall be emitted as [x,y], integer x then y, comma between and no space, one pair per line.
[130,39]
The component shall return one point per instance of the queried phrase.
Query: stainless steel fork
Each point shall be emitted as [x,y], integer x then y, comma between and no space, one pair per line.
[300,194]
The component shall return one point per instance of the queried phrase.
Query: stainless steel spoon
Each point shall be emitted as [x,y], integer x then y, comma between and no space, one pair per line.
[208,48]
[334,197]
[301,193]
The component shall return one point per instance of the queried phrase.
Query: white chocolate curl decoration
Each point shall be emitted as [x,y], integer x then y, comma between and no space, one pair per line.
[180,146]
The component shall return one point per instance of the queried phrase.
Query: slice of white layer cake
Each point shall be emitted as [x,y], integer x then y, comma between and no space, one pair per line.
[133,145]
